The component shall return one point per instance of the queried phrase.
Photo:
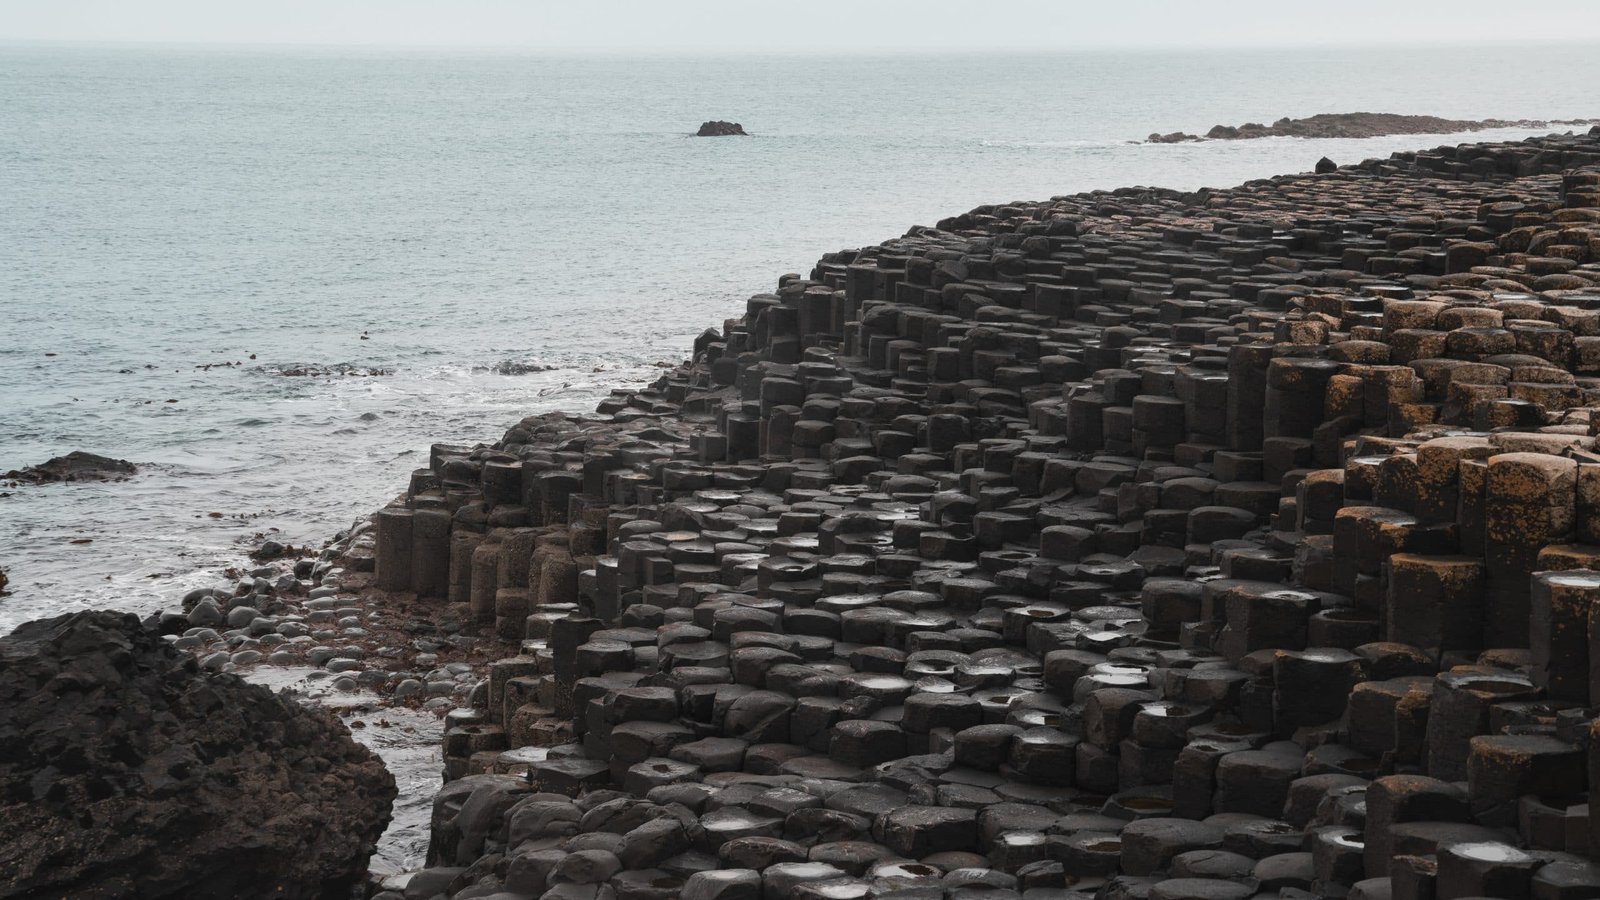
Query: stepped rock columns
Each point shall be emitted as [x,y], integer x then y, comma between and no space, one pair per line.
[393,553]
[1134,542]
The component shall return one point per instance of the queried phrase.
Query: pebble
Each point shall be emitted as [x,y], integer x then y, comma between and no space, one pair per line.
[240,616]
[206,612]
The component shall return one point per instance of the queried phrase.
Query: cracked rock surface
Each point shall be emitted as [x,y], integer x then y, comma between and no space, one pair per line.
[128,772]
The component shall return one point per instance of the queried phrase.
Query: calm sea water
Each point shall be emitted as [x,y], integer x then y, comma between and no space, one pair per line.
[166,210]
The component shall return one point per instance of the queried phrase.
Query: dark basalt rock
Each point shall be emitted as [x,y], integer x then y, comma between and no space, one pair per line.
[719,128]
[1133,543]
[314,370]
[75,466]
[1326,165]
[125,772]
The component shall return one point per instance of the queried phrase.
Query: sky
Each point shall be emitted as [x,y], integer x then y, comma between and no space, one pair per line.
[757,26]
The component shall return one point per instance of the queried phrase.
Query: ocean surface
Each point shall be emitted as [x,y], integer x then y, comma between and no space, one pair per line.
[496,234]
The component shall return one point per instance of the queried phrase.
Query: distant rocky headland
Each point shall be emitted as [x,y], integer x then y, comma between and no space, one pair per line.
[1357,125]
[1137,543]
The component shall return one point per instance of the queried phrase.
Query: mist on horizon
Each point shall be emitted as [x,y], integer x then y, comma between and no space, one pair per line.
[726,26]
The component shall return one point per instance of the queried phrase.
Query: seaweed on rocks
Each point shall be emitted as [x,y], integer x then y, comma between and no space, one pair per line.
[333,370]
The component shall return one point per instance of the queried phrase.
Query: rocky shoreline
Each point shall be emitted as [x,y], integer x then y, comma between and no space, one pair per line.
[324,613]
[1358,125]
[1134,544]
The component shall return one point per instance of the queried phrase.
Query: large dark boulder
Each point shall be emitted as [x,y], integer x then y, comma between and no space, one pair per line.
[719,128]
[127,772]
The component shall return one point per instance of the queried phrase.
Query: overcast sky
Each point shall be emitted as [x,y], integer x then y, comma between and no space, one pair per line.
[698,26]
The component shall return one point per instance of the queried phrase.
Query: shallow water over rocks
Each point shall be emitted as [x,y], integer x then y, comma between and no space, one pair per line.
[406,739]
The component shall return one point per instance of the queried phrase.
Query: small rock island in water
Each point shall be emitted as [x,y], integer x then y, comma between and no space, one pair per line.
[1355,125]
[720,128]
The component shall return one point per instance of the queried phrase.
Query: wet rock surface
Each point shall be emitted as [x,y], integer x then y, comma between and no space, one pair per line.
[1137,543]
[129,772]
[75,466]
[334,370]
[1357,125]
[323,612]
[719,128]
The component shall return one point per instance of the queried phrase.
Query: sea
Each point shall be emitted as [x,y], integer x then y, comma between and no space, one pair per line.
[272,276]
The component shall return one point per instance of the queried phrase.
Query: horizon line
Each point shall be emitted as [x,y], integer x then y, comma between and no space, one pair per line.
[645,50]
